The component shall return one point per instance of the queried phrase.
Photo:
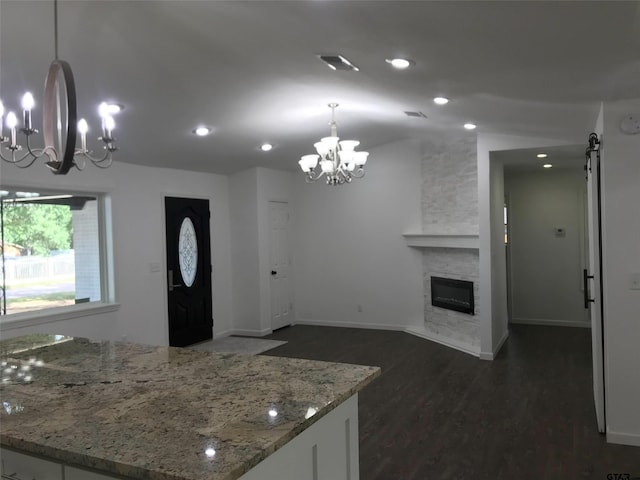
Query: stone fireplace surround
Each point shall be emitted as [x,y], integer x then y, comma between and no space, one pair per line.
[449,238]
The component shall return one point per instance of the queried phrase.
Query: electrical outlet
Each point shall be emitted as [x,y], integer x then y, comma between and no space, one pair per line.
[634,281]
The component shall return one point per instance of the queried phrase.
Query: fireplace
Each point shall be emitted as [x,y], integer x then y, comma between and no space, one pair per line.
[452,294]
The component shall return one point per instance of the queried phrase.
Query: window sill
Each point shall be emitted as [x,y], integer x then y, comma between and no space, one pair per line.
[29,319]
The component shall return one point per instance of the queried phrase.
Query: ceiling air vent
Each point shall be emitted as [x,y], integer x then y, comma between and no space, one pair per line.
[338,62]
[415,114]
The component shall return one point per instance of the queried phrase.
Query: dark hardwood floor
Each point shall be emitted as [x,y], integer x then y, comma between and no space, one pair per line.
[436,413]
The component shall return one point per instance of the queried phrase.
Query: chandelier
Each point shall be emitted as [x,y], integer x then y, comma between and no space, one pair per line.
[337,160]
[60,124]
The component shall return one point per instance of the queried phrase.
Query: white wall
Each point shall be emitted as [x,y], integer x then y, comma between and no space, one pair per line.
[137,202]
[621,249]
[349,248]
[493,278]
[243,188]
[546,269]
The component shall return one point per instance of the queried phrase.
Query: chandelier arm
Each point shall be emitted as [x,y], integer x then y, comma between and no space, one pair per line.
[18,161]
[313,176]
[359,173]
[79,163]
[86,154]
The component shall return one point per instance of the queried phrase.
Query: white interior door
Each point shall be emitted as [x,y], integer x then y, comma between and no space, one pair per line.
[280,284]
[593,284]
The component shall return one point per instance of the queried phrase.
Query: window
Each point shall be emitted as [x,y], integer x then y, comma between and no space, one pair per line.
[52,250]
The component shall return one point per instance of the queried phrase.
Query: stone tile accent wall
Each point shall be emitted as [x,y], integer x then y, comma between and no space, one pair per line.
[450,206]
[459,264]
[450,185]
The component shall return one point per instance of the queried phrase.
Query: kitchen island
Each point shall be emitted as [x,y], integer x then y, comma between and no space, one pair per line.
[124,410]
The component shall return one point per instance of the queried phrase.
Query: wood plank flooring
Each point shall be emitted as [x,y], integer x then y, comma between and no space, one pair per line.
[436,413]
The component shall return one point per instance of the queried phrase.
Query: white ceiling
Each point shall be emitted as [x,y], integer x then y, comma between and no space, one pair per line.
[249,70]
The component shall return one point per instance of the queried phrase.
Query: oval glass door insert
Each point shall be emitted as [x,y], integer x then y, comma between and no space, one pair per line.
[188,252]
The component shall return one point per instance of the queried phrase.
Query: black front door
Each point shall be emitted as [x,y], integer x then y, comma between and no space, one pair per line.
[188,271]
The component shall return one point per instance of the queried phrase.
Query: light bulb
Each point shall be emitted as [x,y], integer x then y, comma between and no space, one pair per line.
[27,101]
[470,126]
[83,127]
[12,120]
[103,110]
[110,123]
[440,100]
[1,110]
[265,147]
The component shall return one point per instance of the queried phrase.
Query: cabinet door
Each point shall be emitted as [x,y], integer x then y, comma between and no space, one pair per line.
[26,467]
[71,473]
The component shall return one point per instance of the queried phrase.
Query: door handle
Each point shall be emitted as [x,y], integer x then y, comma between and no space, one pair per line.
[171,284]
[273,272]
[585,288]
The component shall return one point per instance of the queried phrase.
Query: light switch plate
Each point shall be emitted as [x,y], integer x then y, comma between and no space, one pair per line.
[154,267]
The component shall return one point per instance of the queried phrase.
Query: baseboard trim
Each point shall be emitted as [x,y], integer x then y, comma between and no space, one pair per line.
[245,333]
[222,334]
[496,349]
[371,326]
[632,439]
[550,323]
[447,342]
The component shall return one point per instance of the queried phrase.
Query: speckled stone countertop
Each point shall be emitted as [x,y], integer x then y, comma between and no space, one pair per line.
[159,413]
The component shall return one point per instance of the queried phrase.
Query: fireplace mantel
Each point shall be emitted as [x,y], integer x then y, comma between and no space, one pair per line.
[429,240]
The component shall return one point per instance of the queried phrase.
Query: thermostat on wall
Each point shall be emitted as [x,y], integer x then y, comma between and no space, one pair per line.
[630,124]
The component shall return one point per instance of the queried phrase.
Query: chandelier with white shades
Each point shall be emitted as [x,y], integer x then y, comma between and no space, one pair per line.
[337,160]
[60,124]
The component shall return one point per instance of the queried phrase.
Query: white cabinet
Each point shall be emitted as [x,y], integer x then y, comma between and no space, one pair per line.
[327,450]
[26,467]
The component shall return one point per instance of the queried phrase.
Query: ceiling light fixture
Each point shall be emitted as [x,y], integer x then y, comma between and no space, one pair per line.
[542,155]
[440,100]
[400,63]
[60,123]
[338,160]
[470,126]
[201,131]
[266,147]
[547,165]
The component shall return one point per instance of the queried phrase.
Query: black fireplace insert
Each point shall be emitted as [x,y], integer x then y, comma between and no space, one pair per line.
[452,294]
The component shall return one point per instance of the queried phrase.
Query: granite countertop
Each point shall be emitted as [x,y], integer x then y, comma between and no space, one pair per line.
[159,413]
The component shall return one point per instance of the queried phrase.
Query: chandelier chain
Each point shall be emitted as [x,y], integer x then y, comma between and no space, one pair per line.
[55,28]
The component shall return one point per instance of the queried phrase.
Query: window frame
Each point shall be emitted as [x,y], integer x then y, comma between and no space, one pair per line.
[108,301]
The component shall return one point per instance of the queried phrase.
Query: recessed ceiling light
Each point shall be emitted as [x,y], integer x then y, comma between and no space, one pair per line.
[547,165]
[542,155]
[400,63]
[441,100]
[202,131]
[470,126]
[265,147]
